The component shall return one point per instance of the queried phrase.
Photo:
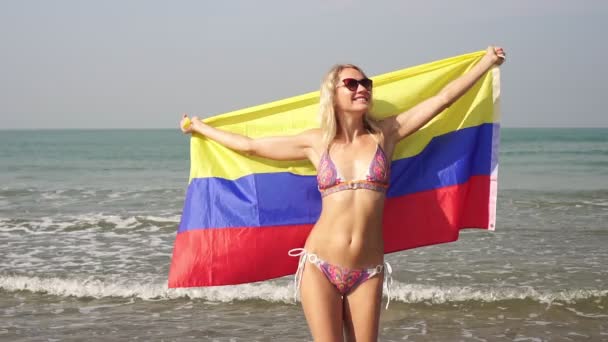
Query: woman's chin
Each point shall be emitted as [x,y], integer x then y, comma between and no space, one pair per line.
[358,107]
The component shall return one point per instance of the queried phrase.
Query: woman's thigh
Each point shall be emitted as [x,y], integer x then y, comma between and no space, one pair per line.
[322,305]
[362,310]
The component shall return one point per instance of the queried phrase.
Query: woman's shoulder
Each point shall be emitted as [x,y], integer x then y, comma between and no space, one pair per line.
[377,135]
[313,135]
[313,132]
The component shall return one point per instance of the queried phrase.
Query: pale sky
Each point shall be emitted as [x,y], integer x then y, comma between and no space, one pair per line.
[140,63]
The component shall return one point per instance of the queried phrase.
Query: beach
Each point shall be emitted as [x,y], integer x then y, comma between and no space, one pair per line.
[88,219]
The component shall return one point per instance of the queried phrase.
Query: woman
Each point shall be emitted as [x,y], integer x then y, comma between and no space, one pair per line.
[342,263]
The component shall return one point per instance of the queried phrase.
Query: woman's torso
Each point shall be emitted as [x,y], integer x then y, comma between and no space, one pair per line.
[349,229]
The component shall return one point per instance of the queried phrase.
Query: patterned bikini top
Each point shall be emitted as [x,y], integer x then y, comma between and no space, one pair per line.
[330,181]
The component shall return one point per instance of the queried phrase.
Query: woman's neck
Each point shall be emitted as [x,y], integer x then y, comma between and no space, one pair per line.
[350,127]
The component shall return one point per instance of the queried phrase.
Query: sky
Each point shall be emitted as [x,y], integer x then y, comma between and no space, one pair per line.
[141,63]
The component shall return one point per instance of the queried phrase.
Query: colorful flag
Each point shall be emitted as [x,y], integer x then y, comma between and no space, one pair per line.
[242,214]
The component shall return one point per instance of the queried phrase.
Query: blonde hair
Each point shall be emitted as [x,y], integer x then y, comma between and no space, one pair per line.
[327,104]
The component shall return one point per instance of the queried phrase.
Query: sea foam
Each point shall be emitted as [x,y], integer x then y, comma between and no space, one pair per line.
[278,291]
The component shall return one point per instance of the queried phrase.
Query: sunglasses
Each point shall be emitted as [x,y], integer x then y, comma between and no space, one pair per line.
[352,84]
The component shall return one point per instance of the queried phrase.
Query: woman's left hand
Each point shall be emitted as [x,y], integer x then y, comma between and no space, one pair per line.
[497,54]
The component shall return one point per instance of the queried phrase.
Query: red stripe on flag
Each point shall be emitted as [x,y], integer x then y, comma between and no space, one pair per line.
[223,256]
[435,216]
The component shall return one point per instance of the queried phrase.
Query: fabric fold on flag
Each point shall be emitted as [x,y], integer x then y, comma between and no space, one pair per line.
[242,214]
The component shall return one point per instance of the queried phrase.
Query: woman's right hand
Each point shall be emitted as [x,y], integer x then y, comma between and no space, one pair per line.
[185,124]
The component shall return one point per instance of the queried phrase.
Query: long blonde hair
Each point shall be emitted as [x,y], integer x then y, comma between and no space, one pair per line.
[327,104]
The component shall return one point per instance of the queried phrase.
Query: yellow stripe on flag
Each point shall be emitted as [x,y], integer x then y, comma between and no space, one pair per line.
[394,93]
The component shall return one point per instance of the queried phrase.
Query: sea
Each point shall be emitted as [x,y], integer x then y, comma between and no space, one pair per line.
[88,219]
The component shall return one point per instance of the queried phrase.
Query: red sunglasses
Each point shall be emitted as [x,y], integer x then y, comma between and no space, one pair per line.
[352,84]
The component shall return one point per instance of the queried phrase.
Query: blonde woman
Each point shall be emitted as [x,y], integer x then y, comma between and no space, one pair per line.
[342,263]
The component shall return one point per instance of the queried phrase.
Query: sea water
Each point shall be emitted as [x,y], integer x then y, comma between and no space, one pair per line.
[88,219]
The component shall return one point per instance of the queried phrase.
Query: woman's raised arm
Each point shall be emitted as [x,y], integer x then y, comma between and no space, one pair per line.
[406,123]
[294,147]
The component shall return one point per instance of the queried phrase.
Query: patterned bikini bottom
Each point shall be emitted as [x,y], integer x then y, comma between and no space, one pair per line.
[344,279]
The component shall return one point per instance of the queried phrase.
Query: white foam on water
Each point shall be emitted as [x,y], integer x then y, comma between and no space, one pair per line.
[586,315]
[525,338]
[119,194]
[53,195]
[146,290]
[168,219]
[274,291]
[41,225]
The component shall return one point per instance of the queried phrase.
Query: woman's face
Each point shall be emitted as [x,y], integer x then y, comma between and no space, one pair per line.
[356,99]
